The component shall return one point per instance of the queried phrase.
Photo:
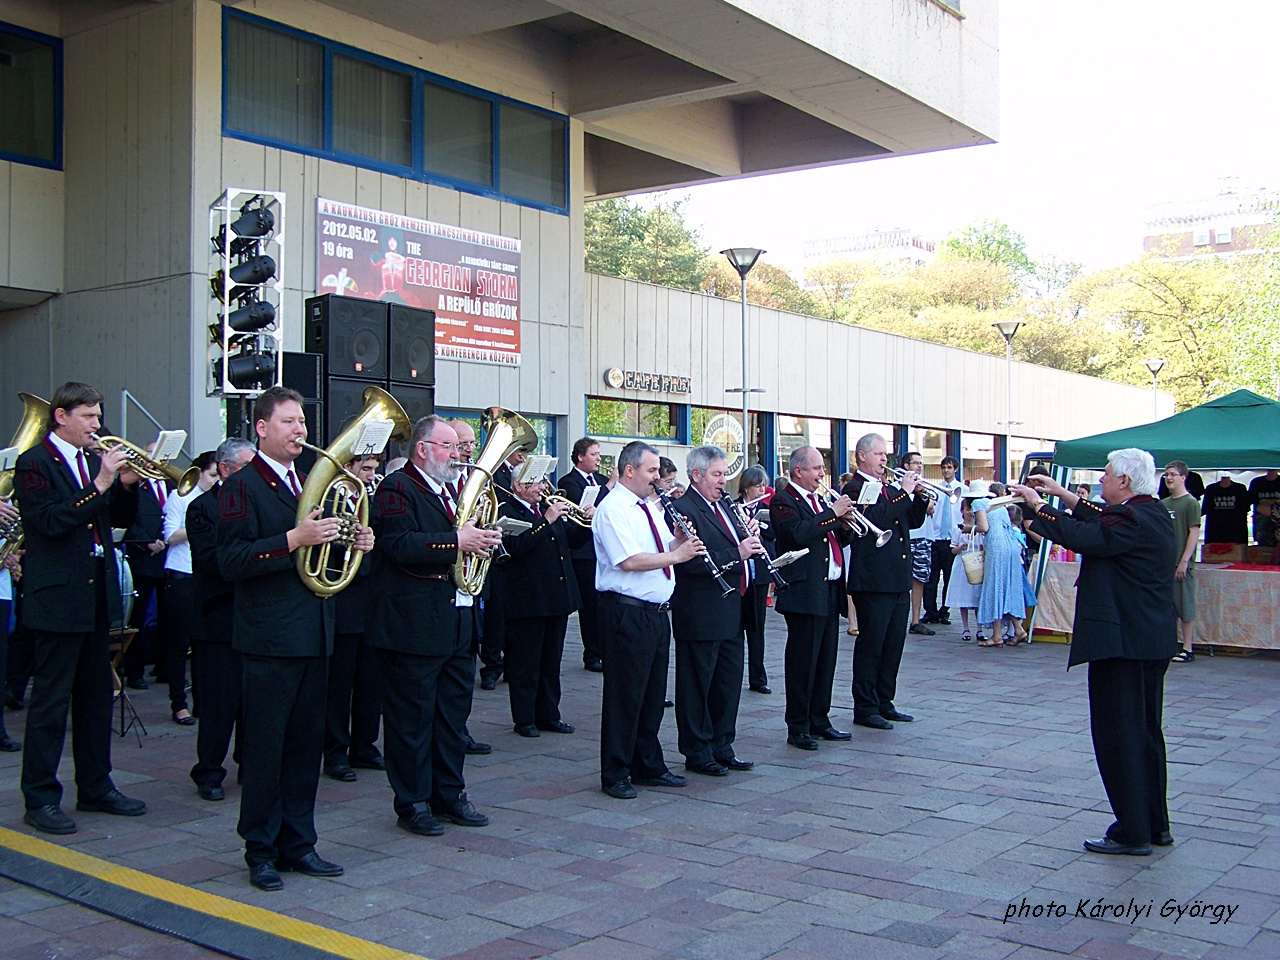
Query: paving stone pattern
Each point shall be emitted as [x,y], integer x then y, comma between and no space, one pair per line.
[907,844]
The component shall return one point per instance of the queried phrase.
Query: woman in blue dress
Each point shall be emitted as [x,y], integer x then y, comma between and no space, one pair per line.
[1005,591]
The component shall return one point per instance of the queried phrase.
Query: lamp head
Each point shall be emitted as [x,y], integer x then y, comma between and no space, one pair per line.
[1007,328]
[742,258]
[1155,364]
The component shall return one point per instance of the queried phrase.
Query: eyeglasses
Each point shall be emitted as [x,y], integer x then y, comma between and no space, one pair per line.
[447,446]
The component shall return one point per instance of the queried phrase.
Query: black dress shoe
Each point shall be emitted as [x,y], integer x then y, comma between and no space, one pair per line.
[733,763]
[339,771]
[187,721]
[423,824]
[475,748]
[311,865]
[210,791]
[595,666]
[372,763]
[557,726]
[667,779]
[622,790]
[1107,845]
[461,812]
[874,722]
[8,744]
[527,730]
[897,717]
[488,683]
[803,741]
[831,733]
[264,876]
[710,768]
[921,630]
[668,704]
[113,801]
[137,684]
[1164,840]
[49,819]
[761,688]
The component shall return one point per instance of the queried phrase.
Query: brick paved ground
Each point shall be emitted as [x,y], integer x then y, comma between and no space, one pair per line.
[908,844]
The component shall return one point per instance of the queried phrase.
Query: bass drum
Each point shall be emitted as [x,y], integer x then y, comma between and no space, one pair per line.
[127,593]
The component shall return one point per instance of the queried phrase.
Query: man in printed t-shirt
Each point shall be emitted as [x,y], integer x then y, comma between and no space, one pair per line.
[1264,494]
[1226,512]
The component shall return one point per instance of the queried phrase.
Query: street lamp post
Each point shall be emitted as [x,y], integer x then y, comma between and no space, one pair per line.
[743,259]
[1007,330]
[1155,365]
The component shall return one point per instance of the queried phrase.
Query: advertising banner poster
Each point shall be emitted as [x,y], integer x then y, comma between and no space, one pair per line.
[470,278]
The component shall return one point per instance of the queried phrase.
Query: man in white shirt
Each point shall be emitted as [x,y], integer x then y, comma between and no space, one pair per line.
[946,519]
[634,578]
[921,551]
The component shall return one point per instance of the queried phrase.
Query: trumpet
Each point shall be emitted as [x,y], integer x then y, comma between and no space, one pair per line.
[933,491]
[856,520]
[144,465]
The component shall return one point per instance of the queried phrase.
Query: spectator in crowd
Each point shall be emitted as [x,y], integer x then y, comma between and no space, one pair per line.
[1195,486]
[1226,512]
[1005,591]
[921,551]
[946,516]
[1264,495]
[1185,510]
[965,538]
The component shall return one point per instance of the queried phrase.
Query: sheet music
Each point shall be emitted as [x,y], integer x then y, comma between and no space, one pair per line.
[169,444]
[589,497]
[8,457]
[534,469]
[870,493]
[373,438]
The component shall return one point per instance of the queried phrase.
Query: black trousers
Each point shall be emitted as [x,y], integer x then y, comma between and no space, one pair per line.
[1126,705]
[535,646]
[143,649]
[708,688]
[877,652]
[5,606]
[589,613]
[940,571]
[179,603]
[754,606]
[493,632]
[354,706]
[425,704]
[635,643]
[283,733]
[217,676]
[71,670]
[810,663]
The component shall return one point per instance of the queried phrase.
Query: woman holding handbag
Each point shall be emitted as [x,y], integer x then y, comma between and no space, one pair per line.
[1005,591]
[966,567]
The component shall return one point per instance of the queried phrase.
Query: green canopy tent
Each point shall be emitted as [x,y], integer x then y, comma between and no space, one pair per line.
[1240,431]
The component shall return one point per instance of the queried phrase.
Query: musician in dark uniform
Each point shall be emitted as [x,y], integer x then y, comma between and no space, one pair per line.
[753,483]
[488,603]
[537,577]
[812,602]
[421,632]
[354,707]
[880,584]
[216,671]
[1126,630]
[70,500]
[284,634]
[707,623]
[586,461]
[144,547]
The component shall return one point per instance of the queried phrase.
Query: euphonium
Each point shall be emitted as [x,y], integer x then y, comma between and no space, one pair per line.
[142,463]
[338,492]
[35,416]
[505,433]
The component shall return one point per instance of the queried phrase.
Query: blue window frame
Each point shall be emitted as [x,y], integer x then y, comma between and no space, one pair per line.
[30,97]
[293,90]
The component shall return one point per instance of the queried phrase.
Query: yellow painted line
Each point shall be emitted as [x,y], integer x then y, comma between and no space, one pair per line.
[256,918]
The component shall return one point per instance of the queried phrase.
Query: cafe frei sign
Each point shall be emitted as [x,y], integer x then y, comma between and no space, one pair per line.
[620,379]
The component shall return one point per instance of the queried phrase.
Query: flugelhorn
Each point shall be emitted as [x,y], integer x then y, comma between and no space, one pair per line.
[144,465]
[934,491]
[35,417]
[856,519]
[338,492]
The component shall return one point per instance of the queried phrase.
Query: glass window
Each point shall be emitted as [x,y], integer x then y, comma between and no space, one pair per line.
[631,418]
[372,111]
[977,456]
[532,156]
[795,432]
[457,135]
[275,84]
[1022,447]
[29,92]
[855,430]
[705,427]
[931,445]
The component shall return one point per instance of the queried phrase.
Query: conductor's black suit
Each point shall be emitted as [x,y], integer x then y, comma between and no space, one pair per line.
[584,565]
[284,634]
[1126,630]
[707,626]
[811,605]
[880,584]
[422,641]
[71,598]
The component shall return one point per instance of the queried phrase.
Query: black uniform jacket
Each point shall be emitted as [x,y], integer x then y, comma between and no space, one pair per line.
[1124,596]
[58,521]
[147,527]
[572,484]
[536,578]
[412,607]
[761,575]
[884,569]
[212,591]
[276,615]
[795,525]
[699,610]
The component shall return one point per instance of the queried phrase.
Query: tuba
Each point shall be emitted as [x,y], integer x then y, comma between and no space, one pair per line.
[340,493]
[35,416]
[505,432]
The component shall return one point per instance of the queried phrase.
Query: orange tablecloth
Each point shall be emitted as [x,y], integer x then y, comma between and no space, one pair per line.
[1235,608]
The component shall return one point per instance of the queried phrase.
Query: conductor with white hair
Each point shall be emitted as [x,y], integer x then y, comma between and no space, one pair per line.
[1126,630]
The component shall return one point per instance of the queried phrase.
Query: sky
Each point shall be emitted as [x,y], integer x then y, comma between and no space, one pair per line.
[1106,107]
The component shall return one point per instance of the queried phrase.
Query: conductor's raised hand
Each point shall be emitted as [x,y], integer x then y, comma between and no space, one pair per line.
[1046,486]
[1029,495]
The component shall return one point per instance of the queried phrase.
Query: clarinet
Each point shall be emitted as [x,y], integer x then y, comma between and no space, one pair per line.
[739,516]
[680,523]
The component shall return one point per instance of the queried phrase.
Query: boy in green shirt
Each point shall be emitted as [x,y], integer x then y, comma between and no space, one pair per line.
[1185,510]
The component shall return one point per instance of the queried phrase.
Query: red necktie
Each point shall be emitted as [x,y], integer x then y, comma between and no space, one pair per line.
[158,487]
[656,538]
[448,507]
[742,580]
[837,554]
[536,512]
[84,482]
[591,480]
[293,482]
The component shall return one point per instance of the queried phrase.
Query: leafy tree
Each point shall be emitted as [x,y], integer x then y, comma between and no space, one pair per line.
[656,245]
[767,285]
[992,240]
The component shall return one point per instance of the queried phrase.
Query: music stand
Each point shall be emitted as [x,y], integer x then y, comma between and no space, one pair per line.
[120,640]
